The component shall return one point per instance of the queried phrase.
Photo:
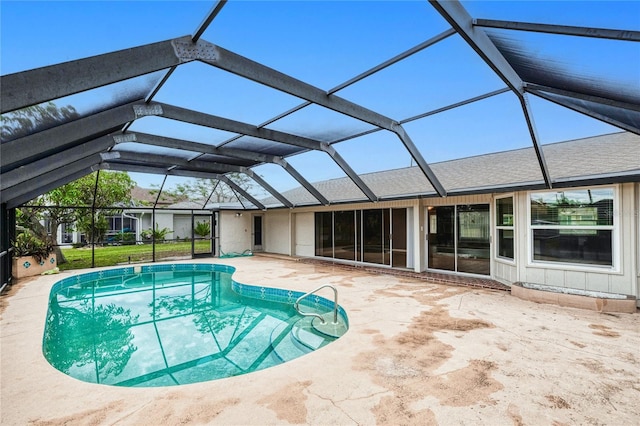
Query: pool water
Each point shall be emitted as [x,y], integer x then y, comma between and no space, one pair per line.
[167,325]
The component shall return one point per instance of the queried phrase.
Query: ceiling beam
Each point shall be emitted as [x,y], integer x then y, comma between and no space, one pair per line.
[217,7]
[536,88]
[184,173]
[625,35]
[20,200]
[457,16]
[220,123]
[200,166]
[361,76]
[229,152]
[39,85]
[39,145]
[586,111]
[528,115]
[56,162]
[428,113]
[41,184]
[244,67]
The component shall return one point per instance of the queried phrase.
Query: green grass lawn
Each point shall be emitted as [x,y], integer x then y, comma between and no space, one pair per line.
[78,258]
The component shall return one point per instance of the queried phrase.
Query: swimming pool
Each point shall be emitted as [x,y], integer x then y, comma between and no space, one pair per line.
[167,325]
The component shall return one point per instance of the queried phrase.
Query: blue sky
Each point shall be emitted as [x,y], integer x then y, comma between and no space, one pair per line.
[326,43]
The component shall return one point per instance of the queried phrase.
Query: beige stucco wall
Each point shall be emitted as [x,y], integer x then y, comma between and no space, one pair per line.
[277,232]
[234,231]
[304,234]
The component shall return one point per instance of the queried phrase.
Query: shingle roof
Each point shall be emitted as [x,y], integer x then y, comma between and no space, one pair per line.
[575,162]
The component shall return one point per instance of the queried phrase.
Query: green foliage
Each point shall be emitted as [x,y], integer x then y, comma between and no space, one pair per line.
[126,238]
[27,244]
[212,189]
[94,230]
[114,189]
[156,234]
[202,229]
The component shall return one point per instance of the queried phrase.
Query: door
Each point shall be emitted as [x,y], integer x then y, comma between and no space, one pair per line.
[472,243]
[257,233]
[399,238]
[203,229]
[458,238]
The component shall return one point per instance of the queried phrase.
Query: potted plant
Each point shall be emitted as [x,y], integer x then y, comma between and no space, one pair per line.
[31,255]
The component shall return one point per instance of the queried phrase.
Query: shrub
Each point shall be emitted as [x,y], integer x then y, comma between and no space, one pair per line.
[27,244]
[202,229]
[158,234]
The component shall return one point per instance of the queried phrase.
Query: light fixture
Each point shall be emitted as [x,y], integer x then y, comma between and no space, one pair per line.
[239,214]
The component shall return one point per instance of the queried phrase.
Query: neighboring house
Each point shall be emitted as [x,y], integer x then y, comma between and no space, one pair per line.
[497,220]
[139,217]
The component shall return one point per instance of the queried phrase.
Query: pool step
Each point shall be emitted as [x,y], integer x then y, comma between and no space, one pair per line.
[296,339]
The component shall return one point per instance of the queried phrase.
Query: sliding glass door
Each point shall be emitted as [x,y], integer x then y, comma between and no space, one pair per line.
[377,236]
[458,238]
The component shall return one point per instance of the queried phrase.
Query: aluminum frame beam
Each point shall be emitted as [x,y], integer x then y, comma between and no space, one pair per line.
[19,200]
[244,67]
[217,7]
[587,111]
[418,48]
[178,172]
[611,34]
[55,162]
[36,185]
[39,85]
[220,123]
[536,88]
[457,16]
[201,166]
[167,142]
[528,114]
[428,113]
[38,145]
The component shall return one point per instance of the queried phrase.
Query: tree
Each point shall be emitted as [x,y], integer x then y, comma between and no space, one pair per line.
[60,206]
[113,190]
[201,189]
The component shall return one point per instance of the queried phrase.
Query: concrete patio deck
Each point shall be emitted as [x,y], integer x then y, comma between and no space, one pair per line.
[417,353]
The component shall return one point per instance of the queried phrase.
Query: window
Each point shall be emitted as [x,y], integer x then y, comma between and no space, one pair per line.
[574,226]
[504,227]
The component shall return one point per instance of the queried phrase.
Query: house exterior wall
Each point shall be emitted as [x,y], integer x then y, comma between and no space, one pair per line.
[277,232]
[181,227]
[235,232]
[292,232]
[164,220]
[304,234]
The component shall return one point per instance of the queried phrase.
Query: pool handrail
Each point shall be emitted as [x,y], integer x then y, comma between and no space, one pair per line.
[313,314]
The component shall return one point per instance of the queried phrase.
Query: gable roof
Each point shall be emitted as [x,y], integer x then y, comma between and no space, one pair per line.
[595,160]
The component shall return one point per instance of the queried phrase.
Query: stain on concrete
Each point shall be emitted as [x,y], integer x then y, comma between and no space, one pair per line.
[289,402]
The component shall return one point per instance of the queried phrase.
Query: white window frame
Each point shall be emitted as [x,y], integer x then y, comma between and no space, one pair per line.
[580,267]
[503,227]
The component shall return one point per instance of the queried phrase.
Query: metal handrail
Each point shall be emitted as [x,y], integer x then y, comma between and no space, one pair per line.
[313,314]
